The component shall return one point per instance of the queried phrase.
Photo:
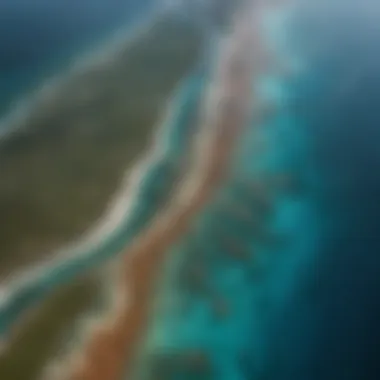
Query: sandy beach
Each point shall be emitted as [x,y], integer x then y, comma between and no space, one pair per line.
[111,349]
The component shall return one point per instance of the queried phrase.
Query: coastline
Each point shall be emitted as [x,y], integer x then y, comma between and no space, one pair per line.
[63,147]
[72,296]
[126,217]
[117,338]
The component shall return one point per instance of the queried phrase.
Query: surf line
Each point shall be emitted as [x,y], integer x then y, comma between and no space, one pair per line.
[110,350]
[28,289]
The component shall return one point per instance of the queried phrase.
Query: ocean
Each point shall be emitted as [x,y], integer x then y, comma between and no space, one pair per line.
[326,325]
[41,38]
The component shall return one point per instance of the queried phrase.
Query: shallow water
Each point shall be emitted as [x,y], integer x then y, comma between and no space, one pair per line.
[325,325]
[310,307]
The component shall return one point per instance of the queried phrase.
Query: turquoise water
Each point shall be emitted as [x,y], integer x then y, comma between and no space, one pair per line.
[322,322]
[272,239]
[298,289]
[244,260]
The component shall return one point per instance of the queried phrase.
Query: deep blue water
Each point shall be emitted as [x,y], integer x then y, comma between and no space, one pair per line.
[328,325]
[39,38]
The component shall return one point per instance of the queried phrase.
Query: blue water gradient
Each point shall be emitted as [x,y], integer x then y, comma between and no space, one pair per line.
[326,325]
[303,303]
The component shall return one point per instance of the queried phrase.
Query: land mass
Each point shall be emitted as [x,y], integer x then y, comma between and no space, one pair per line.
[65,160]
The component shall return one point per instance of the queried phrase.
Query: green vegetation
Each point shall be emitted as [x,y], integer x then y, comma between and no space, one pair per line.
[62,167]
[65,163]
[47,330]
